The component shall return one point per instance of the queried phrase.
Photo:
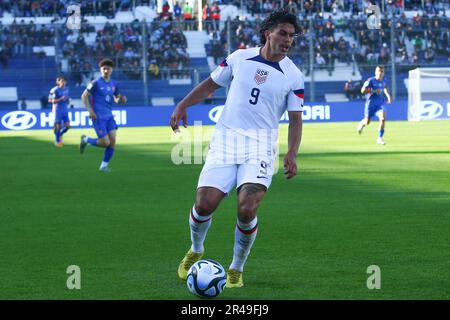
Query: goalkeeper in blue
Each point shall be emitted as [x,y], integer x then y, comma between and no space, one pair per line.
[376,93]
[98,98]
[59,98]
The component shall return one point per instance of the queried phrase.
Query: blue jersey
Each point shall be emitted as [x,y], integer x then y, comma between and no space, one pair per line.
[376,95]
[56,93]
[102,93]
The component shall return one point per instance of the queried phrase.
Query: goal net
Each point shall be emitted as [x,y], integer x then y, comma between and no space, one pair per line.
[429,94]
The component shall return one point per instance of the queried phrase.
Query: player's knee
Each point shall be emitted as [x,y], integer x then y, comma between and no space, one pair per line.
[112,142]
[207,200]
[247,211]
[104,142]
[204,208]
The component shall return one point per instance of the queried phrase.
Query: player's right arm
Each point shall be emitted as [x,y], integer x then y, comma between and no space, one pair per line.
[86,98]
[198,94]
[366,87]
[220,77]
[51,96]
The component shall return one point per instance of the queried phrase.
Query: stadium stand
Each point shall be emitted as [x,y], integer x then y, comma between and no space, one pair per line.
[160,55]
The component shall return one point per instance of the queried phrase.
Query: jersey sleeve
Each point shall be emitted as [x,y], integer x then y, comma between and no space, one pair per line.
[116,90]
[223,74]
[92,87]
[368,84]
[296,96]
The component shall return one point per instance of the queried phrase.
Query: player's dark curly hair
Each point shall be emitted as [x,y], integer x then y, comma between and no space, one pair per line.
[283,15]
[106,62]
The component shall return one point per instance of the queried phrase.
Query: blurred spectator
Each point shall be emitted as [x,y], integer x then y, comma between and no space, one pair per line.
[352,89]
[415,59]
[418,43]
[320,61]
[4,57]
[207,19]
[165,10]
[215,15]
[217,52]
[154,69]
[188,16]
[343,50]
[293,7]
[177,11]
[429,55]
[371,57]
[354,53]
[429,7]
[124,5]
[36,9]
[384,54]
[267,6]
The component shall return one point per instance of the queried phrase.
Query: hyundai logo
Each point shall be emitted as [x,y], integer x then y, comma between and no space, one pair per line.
[215,113]
[19,120]
[430,110]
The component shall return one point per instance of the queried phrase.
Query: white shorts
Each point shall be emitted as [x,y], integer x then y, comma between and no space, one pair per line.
[234,159]
[225,176]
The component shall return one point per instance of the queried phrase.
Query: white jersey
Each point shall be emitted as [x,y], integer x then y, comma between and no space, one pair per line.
[260,91]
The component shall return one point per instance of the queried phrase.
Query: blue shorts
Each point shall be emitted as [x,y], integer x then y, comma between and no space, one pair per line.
[371,109]
[61,116]
[104,126]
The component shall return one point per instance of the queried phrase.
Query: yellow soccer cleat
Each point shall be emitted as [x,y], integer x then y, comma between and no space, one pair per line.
[189,259]
[234,279]
[59,144]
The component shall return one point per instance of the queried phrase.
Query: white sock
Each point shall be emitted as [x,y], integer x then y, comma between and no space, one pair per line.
[85,139]
[199,226]
[362,124]
[104,164]
[244,236]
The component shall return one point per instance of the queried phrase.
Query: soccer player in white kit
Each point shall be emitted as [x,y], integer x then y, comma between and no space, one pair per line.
[264,83]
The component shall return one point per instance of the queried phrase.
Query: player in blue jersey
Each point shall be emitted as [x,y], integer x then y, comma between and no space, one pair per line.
[376,90]
[59,97]
[98,99]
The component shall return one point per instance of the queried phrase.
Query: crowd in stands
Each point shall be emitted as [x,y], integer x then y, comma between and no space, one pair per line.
[354,7]
[427,32]
[19,38]
[165,49]
[185,14]
[49,8]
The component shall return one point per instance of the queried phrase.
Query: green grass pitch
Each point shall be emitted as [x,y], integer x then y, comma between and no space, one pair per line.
[352,205]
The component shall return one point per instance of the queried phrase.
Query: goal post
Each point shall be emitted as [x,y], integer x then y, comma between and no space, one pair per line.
[428,94]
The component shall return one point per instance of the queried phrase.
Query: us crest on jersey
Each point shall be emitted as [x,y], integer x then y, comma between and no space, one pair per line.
[261,76]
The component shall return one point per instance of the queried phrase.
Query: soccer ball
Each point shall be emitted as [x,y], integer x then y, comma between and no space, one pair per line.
[206,278]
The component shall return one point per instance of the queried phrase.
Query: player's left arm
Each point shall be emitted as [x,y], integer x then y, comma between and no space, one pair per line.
[294,140]
[118,98]
[388,95]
